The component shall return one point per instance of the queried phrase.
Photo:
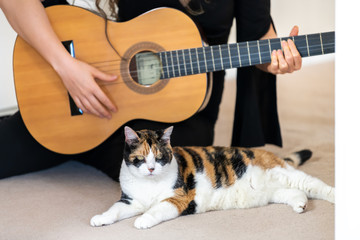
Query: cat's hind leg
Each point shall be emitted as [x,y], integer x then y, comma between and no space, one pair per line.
[297,199]
[312,186]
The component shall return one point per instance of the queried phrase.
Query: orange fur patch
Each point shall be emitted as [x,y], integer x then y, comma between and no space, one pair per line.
[266,160]
[181,199]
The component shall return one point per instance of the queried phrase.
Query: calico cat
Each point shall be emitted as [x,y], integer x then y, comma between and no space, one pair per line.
[162,183]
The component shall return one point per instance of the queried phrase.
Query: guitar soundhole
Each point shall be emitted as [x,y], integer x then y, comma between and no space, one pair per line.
[140,68]
[145,68]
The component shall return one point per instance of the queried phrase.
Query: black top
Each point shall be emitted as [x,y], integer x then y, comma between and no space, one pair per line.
[256,119]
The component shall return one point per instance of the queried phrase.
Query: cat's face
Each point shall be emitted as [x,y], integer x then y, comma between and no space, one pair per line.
[147,153]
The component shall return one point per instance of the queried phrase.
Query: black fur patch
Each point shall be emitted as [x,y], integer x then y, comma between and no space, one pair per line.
[304,155]
[125,199]
[220,168]
[190,182]
[238,164]
[179,182]
[196,159]
[191,209]
[181,161]
[249,154]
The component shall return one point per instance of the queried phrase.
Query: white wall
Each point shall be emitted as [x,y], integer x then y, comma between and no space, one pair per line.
[7,92]
[310,15]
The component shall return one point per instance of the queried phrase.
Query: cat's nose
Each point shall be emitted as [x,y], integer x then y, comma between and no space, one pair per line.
[151,169]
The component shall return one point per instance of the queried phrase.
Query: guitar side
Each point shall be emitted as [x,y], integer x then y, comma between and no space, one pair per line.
[43,100]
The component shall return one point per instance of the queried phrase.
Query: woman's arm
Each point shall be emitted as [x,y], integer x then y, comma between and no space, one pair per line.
[28,18]
[283,62]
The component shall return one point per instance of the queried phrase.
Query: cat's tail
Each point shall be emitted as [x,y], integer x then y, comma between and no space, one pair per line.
[298,158]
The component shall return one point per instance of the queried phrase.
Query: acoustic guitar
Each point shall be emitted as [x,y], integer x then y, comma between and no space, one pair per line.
[159,58]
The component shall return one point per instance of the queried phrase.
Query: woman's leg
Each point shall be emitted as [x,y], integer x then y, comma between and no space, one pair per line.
[19,152]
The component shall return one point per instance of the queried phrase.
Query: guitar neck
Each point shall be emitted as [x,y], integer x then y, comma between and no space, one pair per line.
[220,57]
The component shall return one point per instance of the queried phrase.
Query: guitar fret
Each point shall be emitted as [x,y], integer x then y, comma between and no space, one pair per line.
[301,45]
[329,42]
[247,44]
[206,67]
[315,44]
[185,69]
[244,54]
[182,63]
[194,61]
[307,45]
[162,65]
[239,55]
[259,51]
[221,59]
[197,58]
[265,51]
[233,55]
[231,65]
[172,64]
[212,57]
[178,62]
[191,66]
[321,43]
[167,64]
[209,58]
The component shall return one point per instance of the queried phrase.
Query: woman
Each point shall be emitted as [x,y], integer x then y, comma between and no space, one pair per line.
[255,121]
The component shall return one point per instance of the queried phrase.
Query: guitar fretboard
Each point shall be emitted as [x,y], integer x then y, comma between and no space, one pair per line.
[219,57]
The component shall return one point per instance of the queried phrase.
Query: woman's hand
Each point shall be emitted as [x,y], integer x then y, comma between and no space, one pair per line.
[286,61]
[79,79]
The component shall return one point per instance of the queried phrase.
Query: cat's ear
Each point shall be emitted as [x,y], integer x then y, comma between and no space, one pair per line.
[130,135]
[167,133]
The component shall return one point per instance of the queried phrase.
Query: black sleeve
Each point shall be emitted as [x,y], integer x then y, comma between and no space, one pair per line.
[252,18]
[48,3]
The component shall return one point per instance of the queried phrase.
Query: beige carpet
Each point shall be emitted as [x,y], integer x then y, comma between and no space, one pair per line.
[58,203]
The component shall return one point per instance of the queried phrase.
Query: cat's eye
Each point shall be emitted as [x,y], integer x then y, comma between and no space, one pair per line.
[140,158]
[159,156]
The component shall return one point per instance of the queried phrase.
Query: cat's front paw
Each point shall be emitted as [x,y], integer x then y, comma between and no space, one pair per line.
[145,221]
[300,206]
[100,220]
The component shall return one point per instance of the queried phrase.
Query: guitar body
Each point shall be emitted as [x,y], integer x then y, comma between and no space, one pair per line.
[44,102]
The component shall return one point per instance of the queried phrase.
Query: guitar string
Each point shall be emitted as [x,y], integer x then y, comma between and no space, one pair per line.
[172,74]
[234,44]
[175,75]
[316,47]
[181,66]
